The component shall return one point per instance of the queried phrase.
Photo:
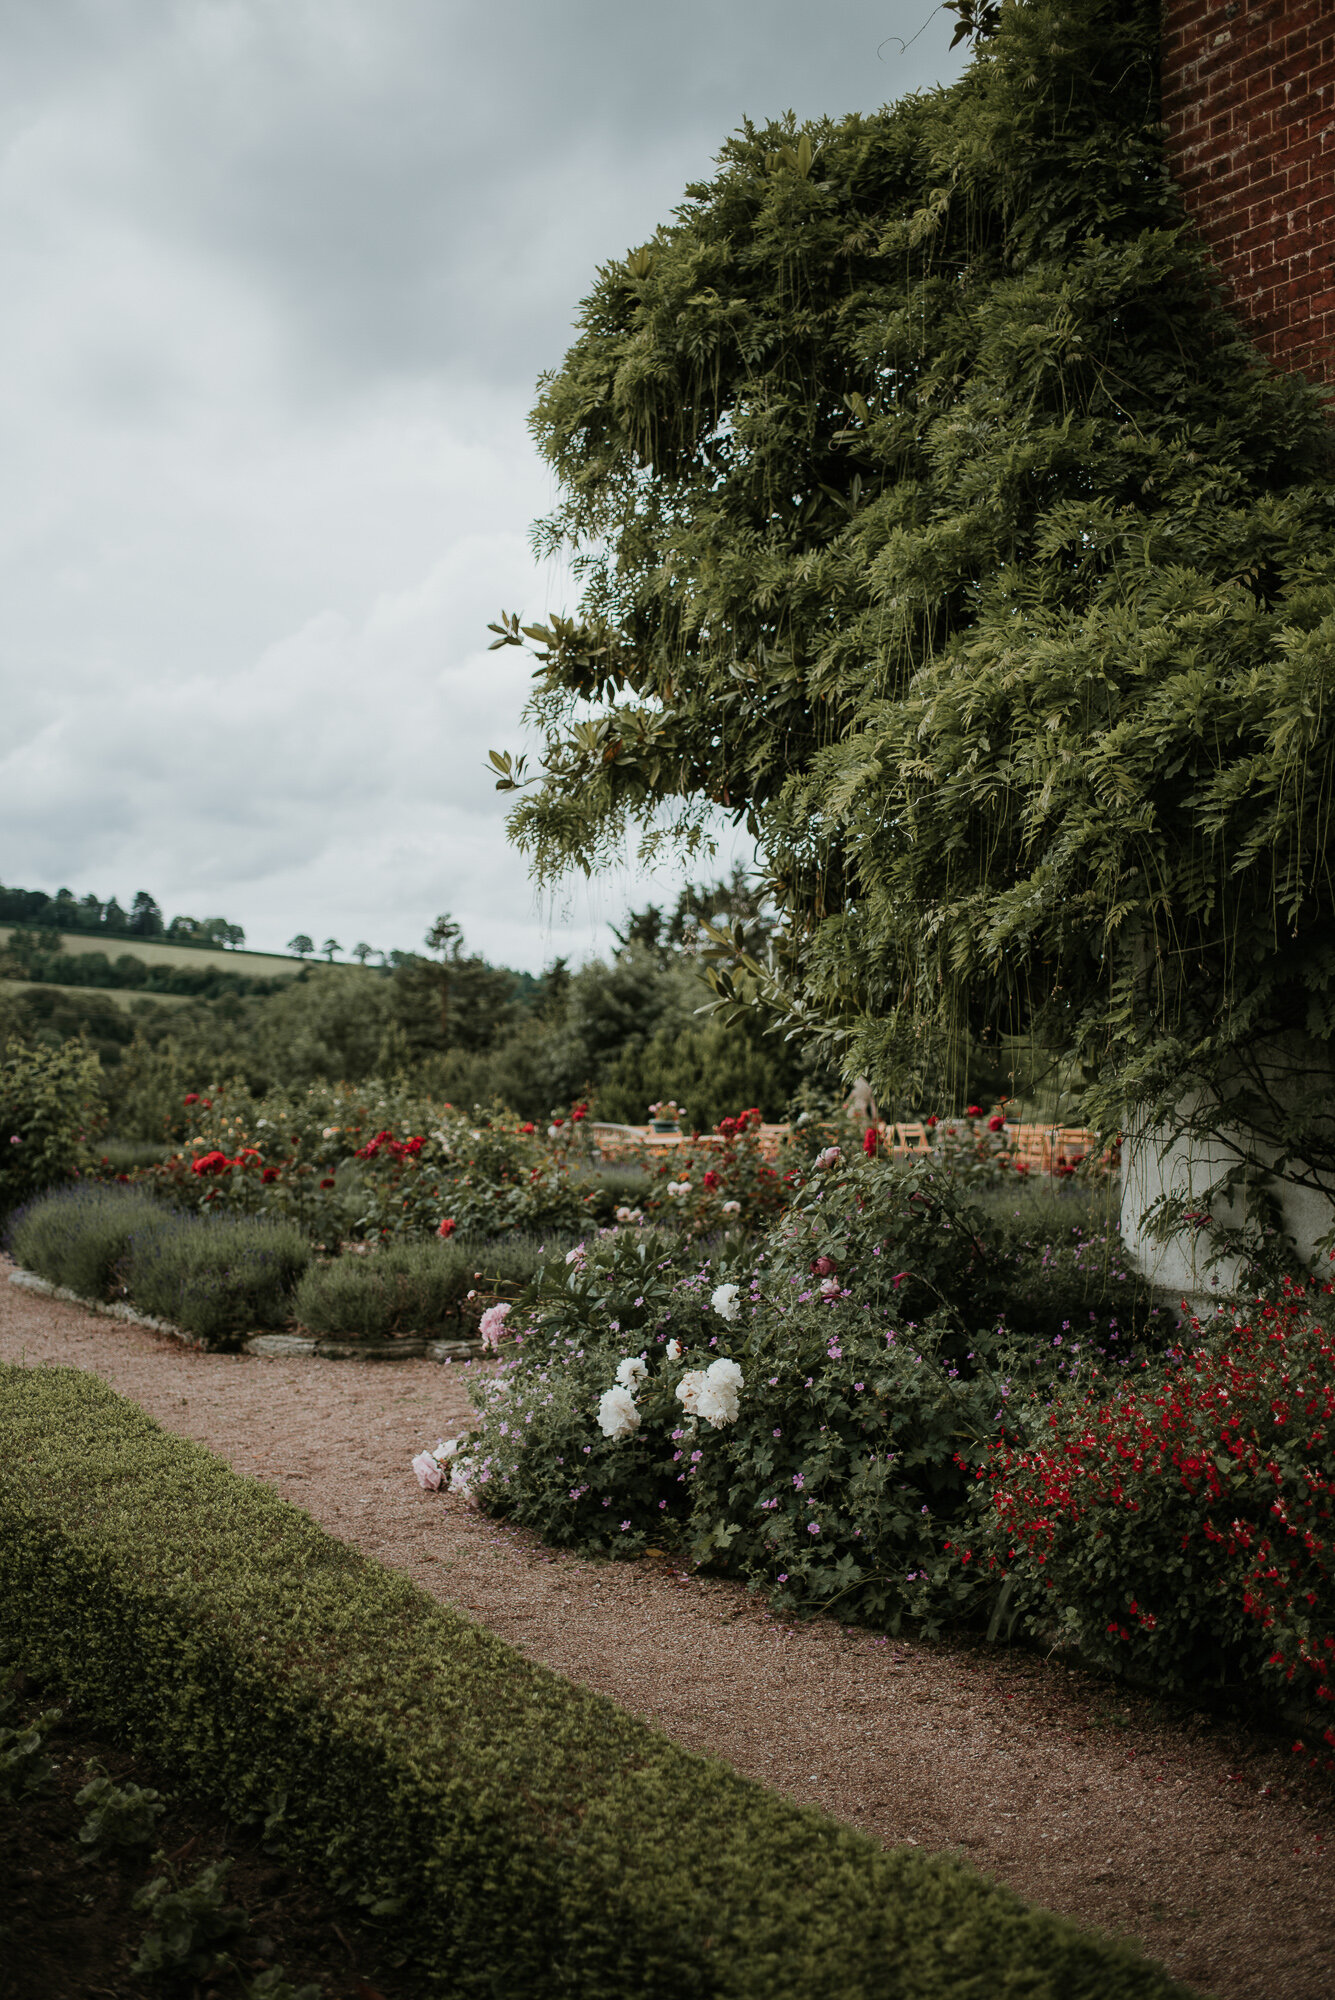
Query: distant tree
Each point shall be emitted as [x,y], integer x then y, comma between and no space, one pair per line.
[184,930]
[114,919]
[236,936]
[301,945]
[361,952]
[145,916]
[329,947]
[644,927]
[90,913]
[445,936]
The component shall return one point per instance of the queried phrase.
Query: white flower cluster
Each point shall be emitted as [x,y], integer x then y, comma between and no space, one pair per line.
[712,1393]
[630,1215]
[618,1412]
[676,1188]
[829,1158]
[724,1300]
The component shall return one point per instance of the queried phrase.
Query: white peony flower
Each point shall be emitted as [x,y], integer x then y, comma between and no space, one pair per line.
[675,1188]
[617,1414]
[673,1350]
[732,1208]
[630,1215]
[446,1447]
[724,1301]
[828,1157]
[829,1288]
[632,1371]
[688,1389]
[718,1397]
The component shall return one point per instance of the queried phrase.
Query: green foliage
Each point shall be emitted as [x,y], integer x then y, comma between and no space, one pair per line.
[48,1107]
[80,1238]
[528,1837]
[118,1815]
[26,1771]
[188,1923]
[1177,1525]
[218,1277]
[400,1289]
[935,517]
[883,1329]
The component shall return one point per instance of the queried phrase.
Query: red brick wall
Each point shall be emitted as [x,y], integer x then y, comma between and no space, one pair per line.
[1249,105]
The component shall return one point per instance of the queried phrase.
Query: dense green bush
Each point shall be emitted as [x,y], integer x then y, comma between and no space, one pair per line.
[881,1330]
[80,1238]
[48,1107]
[217,1277]
[527,1836]
[400,1289]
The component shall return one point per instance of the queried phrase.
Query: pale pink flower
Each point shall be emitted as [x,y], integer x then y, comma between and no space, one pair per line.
[491,1326]
[428,1472]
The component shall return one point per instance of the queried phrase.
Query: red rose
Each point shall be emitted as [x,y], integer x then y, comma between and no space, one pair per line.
[211,1163]
[528,1128]
[973,1110]
[996,1123]
[711,1179]
[580,1111]
[447,1227]
[869,1142]
[193,1097]
[269,1174]
[327,1181]
[932,1121]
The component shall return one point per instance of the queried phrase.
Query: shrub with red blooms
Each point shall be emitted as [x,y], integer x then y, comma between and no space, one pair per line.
[385,1142]
[1181,1526]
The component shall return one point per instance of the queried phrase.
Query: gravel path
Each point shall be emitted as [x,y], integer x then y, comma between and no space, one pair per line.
[1205,1844]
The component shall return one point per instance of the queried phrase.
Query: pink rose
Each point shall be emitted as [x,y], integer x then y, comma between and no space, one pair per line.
[428,1472]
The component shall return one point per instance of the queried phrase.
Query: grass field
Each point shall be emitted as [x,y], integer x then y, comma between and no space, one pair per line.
[158,951]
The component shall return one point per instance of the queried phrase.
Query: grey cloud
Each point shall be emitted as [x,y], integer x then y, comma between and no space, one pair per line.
[279,275]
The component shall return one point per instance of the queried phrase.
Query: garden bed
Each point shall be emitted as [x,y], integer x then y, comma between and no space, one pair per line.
[1202,1838]
[526,1835]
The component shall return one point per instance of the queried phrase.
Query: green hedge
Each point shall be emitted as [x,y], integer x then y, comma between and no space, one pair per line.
[530,1838]
[80,1238]
[412,1287]
[220,1277]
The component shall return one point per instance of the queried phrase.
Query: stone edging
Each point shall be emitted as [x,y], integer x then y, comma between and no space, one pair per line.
[273,1346]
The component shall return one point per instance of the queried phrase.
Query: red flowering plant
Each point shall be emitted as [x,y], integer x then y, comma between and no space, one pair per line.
[1180,1526]
[705,1186]
[976,1149]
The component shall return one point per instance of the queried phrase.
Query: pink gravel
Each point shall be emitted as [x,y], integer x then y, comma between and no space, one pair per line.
[1204,1842]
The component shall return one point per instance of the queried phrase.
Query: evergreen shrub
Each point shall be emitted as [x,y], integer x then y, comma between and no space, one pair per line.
[525,1836]
[400,1289]
[218,1277]
[49,1105]
[80,1237]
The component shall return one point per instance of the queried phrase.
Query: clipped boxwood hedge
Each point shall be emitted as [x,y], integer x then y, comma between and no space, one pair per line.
[528,1838]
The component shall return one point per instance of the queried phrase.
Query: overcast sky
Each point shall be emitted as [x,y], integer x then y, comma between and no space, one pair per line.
[278,277]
